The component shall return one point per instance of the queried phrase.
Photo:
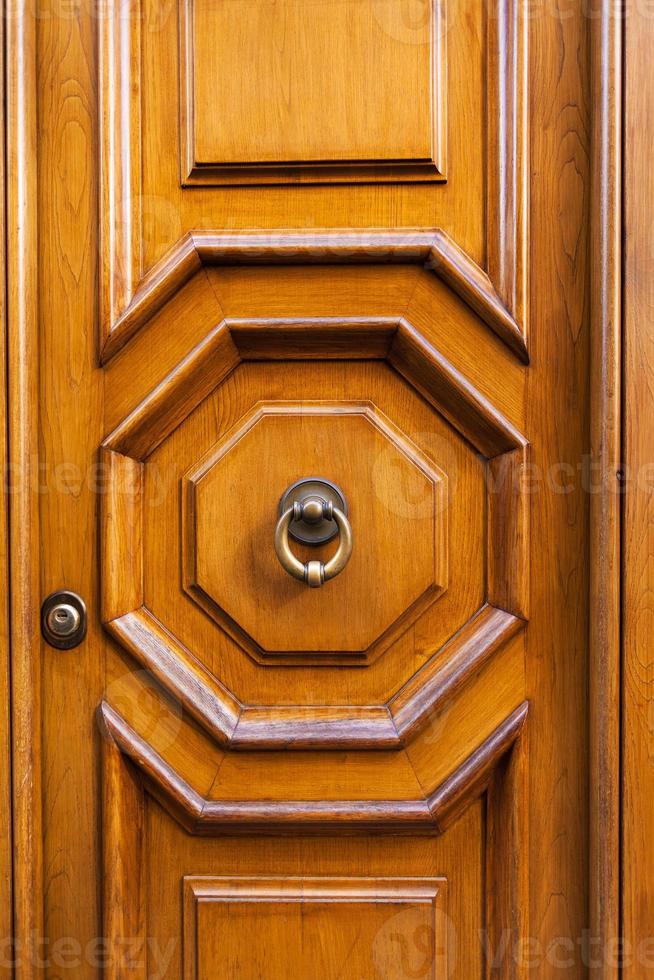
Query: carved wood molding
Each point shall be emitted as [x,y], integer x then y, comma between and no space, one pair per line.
[507,201]
[22,887]
[606,614]
[392,725]
[130,293]
[434,250]
[207,817]
[257,338]
[200,892]
[132,771]
[220,711]
[393,339]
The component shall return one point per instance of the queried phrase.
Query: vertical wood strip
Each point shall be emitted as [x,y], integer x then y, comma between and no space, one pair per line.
[558,424]
[507,908]
[508,165]
[122,536]
[22,326]
[508,528]
[123,829]
[6,897]
[637,816]
[70,430]
[604,635]
[119,53]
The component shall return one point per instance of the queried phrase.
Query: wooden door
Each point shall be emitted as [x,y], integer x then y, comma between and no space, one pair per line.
[253,242]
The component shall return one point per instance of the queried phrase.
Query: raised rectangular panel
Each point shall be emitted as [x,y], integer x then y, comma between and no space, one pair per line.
[321,928]
[328,90]
[376,113]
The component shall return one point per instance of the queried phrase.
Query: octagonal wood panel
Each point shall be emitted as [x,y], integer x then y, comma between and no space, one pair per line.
[397,509]
[168,437]
[209,426]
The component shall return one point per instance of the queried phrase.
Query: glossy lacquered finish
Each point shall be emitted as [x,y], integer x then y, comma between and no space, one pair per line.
[383,769]
[637,656]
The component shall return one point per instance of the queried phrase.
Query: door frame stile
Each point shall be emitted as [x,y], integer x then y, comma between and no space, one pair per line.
[22,389]
[6,898]
[605,496]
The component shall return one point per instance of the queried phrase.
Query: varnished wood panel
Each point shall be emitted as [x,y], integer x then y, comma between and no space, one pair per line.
[506,561]
[459,331]
[638,452]
[436,252]
[6,877]
[371,460]
[431,811]
[70,482]
[558,397]
[606,503]
[138,76]
[148,424]
[325,927]
[207,427]
[22,304]
[123,899]
[170,209]
[122,534]
[457,855]
[298,116]
[125,866]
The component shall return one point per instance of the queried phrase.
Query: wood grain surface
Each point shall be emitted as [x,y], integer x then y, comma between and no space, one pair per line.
[176,751]
[638,447]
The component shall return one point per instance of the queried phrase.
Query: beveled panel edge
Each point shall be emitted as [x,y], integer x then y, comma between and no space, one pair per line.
[122,849]
[477,420]
[314,887]
[449,668]
[474,775]
[205,817]
[121,534]
[441,384]
[303,174]
[507,561]
[507,203]
[434,250]
[120,178]
[606,774]
[400,343]
[382,424]
[119,84]
[273,728]
[208,701]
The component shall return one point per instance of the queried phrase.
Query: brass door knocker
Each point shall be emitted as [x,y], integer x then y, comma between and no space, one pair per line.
[313,511]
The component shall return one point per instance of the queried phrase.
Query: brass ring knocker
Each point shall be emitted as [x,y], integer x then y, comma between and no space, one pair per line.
[313,510]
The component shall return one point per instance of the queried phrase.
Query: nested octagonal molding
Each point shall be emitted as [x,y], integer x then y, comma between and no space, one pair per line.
[180,670]
[228,541]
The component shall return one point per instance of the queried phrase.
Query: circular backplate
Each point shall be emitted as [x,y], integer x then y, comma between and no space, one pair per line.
[301,490]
